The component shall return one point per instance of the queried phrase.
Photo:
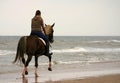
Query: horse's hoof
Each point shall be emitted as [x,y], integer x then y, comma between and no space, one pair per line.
[26,72]
[50,69]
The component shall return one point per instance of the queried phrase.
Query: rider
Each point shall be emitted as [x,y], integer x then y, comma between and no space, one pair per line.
[37,28]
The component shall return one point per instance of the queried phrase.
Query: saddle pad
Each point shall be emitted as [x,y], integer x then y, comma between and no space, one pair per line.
[42,41]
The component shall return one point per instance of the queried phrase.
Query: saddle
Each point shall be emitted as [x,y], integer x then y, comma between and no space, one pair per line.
[39,35]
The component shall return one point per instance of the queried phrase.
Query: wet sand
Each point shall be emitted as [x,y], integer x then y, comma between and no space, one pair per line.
[100,79]
[105,72]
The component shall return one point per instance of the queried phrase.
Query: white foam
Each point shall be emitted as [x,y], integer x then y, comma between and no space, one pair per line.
[6,52]
[86,49]
[107,41]
[67,62]
[103,49]
[76,49]
[114,41]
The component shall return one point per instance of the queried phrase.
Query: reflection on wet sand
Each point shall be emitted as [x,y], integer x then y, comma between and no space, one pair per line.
[25,79]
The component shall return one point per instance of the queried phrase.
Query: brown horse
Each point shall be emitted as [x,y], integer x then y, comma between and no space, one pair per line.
[33,46]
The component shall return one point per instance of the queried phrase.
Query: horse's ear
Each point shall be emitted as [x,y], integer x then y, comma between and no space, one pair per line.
[45,25]
[53,25]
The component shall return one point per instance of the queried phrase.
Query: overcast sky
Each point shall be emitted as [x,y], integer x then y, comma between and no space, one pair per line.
[72,17]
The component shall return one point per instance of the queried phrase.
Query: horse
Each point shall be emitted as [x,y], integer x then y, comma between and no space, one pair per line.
[33,46]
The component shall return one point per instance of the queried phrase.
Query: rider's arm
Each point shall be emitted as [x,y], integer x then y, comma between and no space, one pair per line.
[43,27]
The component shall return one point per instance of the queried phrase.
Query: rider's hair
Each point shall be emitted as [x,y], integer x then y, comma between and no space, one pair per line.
[38,12]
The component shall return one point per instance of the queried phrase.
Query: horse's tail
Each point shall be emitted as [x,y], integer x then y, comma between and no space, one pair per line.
[21,49]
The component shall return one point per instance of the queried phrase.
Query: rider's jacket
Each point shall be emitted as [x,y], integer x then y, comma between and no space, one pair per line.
[37,28]
[37,23]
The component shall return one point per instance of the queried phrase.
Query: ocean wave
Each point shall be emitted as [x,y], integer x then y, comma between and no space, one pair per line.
[67,62]
[60,63]
[76,49]
[86,49]
[91,60]
[71,50]
[116,41]
[106,41]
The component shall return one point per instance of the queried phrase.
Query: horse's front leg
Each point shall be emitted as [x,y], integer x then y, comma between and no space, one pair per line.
[36,65]
[50,64]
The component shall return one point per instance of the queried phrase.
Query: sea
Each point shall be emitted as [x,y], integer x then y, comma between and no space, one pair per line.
[67,50]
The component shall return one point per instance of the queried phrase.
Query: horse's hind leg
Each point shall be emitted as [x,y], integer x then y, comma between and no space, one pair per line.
[26,64]
[36,65]
[23,60]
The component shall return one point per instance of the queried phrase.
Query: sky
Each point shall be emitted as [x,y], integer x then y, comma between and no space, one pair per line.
[71,17]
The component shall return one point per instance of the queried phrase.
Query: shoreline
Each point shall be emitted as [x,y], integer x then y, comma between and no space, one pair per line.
[64,73]
[115,78]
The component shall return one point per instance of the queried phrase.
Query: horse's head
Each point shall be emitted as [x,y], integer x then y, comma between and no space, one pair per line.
[49,32]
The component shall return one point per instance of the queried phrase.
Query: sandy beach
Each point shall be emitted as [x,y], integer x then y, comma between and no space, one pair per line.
[103,72]
[100,79]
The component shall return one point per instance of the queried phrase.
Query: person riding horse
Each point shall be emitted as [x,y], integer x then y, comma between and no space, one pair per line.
[33,45]
[37,28]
